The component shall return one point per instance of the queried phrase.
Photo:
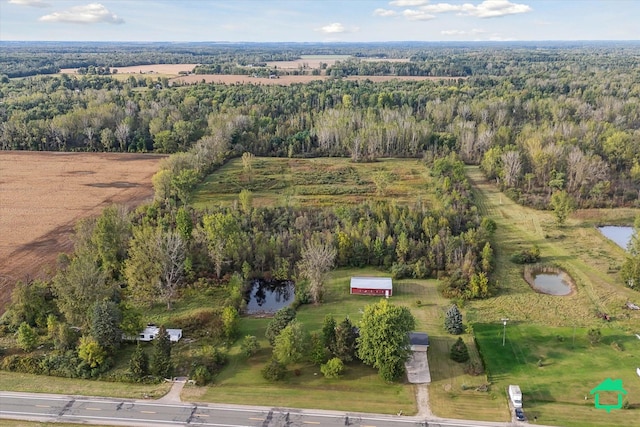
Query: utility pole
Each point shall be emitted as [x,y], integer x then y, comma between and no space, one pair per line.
[504,330]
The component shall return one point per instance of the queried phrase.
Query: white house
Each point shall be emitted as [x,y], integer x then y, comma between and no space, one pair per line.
[150,332]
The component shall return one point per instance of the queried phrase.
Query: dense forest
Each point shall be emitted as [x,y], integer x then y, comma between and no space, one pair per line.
[537,121]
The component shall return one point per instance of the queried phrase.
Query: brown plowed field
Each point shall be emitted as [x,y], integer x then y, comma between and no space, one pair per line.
[43,194]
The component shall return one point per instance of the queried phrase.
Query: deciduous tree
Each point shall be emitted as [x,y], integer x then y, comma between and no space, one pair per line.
[290,344]
[384,338]
[316,261]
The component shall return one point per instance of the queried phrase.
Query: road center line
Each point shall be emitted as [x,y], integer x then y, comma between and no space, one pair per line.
[256,419]
[93,409]
[311,422]
[147,412]
[43,406]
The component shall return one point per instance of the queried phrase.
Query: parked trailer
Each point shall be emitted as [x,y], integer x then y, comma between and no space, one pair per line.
[515,395]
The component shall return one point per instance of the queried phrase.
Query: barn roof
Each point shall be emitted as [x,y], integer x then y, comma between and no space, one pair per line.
[371,283]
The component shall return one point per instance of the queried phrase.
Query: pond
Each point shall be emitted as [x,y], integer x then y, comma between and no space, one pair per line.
[621,236]
[269,296]
[552,284]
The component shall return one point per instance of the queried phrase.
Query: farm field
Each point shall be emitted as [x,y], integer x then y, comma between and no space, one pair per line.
[164,69]
[318,182]
[43,195]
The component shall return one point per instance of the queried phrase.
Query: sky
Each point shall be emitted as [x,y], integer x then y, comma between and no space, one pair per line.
[319,20]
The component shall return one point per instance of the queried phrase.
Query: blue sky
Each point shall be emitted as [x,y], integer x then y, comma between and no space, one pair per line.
[318,20]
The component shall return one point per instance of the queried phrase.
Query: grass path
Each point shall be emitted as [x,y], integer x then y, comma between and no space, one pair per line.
[578,248]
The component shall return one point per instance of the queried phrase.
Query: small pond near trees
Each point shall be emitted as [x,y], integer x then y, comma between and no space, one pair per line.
[269,296]
[552,284]
[621,236]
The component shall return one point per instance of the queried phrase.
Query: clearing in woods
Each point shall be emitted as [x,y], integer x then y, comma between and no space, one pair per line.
[43,195]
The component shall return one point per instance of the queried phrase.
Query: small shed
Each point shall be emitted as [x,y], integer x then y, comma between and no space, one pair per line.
[419,341]
[150,332]
[371,286]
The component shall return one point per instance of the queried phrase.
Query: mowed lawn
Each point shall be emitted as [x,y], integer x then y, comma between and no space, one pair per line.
[556,368]
[541,327]
[316,182]
[360,389]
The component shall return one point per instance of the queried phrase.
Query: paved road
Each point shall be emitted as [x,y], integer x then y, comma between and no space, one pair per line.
[118,412]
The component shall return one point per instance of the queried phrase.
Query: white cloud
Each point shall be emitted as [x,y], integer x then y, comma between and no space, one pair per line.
[461,32]
[336,27]
[88,14]
[32,3]
[453,32]
[409,3]
[417,15]
[486,9]
[384,12]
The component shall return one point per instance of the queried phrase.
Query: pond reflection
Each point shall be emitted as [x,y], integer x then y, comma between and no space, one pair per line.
[269,296]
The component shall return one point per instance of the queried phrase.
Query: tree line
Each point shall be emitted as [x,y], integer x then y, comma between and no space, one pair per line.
[564,120]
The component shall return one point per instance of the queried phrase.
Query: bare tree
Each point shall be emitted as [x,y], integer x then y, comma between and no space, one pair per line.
[172,255]
[512,166]
[316,261]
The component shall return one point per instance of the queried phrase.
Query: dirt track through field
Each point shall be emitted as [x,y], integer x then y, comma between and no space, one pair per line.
[43,195]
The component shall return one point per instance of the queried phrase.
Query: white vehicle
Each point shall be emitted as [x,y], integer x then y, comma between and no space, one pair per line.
[515,395]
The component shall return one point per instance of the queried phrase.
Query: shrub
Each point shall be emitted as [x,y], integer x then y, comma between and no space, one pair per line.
[250,345]
[401,271]
[201,375]
[274,371]
[27,337]
[333,368]
[529,256]
[459,351]
[594,336]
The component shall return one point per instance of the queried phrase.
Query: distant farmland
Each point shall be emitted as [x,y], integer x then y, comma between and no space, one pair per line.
[42,195]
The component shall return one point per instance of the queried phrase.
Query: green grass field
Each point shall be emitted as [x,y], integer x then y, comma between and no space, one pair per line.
[556,368]
[541,327]
[360,389]
[315,182]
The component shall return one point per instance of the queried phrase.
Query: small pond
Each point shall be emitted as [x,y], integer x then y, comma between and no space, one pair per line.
[552,284]
[621,236]
[269,296]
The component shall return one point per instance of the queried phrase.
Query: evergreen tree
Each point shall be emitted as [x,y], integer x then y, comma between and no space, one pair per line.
[329,332]
[139,363]
[161,358]
[459,351]
[345,348]
[453,321]
[105,324]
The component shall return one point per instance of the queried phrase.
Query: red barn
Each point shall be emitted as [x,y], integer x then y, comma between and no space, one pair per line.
[381,286]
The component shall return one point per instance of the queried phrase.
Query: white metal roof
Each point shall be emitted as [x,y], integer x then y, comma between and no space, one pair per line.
[371,283]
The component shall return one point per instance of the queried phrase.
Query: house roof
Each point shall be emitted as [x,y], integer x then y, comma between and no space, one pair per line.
[609,385]
[154,330]
[372,282]
[418,338]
